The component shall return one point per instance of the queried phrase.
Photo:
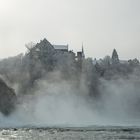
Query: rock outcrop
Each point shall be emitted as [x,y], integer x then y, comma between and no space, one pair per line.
[7,99]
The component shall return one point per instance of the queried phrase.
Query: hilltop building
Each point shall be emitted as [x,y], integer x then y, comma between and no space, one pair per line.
[45,48]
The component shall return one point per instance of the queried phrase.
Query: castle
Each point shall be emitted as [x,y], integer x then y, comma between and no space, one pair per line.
[46,48]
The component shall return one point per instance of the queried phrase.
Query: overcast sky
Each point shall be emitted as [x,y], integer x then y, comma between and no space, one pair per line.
[100,24]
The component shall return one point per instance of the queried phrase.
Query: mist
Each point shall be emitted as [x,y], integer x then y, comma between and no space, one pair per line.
[56,102]
[59,103]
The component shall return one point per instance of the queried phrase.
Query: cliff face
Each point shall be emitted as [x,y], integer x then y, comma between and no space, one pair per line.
[7,99]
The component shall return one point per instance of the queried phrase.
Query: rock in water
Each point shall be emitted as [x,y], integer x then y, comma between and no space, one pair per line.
[7,99]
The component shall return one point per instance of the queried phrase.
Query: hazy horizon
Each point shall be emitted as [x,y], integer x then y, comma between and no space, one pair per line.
[100,25]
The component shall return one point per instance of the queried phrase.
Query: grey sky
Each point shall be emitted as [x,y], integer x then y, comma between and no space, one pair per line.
[100,24]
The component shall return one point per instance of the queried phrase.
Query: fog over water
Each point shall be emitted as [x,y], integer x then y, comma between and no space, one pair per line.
[58,102]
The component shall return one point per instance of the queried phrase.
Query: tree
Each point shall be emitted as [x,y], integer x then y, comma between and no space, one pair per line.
[106,62]
[134,62]
[115,57]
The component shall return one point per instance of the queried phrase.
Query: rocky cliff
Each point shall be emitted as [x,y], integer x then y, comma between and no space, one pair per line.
[7,99]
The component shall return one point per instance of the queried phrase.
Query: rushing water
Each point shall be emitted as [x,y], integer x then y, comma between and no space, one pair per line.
[89,133]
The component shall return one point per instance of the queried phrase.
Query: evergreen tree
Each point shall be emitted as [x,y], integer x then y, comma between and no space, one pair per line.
[115,57]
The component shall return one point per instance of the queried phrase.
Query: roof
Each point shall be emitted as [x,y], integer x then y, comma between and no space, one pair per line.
[60,47]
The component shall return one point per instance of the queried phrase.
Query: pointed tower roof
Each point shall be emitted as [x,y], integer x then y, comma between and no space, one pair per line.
[83,54]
